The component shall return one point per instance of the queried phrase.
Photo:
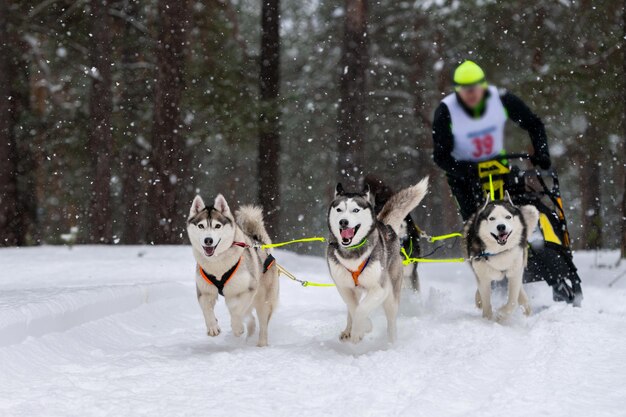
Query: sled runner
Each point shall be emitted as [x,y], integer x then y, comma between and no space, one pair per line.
[550,255]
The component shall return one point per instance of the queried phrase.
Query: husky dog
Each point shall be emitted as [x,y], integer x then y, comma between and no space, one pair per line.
[496,242]
[229,264]
[364,255]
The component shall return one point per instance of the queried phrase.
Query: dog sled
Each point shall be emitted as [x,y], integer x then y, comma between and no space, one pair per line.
[550,255]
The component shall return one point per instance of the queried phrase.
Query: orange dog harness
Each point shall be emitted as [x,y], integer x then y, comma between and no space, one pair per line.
[219,284]
[356,274]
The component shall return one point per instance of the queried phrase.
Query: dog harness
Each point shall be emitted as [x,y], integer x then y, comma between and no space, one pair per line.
[221,283]
[269,262]
[356,274]
[486,255]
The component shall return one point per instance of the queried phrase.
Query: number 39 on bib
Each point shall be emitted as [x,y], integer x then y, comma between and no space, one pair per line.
[483,146]
[477,138]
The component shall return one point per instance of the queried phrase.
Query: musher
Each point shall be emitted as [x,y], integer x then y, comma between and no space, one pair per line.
[469,128]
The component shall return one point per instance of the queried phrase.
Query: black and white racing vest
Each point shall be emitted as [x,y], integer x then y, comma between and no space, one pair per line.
[477,139]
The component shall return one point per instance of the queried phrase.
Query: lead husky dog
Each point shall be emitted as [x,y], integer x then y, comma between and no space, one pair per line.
[228,264]
[364,255]
[496,242]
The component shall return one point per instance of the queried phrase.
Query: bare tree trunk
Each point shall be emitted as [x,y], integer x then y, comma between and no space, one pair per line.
[354,63]
[9,219]
[269,119]
[424,164]
[133,181]
[451,219]
[624,127]
[167,201]
[623,246]
[590,186]
[100,137]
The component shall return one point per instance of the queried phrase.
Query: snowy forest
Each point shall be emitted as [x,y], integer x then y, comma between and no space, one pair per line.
[115,113]
[130,287]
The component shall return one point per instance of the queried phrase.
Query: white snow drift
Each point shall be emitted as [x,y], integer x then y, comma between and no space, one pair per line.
[116,331]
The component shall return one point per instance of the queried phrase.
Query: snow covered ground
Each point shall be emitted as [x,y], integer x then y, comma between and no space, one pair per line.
[116,331]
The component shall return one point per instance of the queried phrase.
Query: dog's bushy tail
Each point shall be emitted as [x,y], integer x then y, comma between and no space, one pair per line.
[400,204]
[250,219]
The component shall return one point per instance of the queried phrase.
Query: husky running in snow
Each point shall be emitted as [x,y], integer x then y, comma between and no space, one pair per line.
[364,255]
[228,264]
[496,242]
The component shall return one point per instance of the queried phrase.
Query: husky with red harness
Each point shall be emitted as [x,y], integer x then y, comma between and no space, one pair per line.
[231,263]
[364,255]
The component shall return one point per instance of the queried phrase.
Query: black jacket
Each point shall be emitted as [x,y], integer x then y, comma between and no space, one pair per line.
[517,110]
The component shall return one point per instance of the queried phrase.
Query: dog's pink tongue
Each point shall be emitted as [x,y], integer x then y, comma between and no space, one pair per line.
[347,233]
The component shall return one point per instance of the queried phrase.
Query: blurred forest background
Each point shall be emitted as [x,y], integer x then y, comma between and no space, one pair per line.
[114,113]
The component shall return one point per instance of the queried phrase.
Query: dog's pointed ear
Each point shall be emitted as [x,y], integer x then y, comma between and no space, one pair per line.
[531,218]
[366,191]
[508,197]
[339,190]
[197,206]
[221,205]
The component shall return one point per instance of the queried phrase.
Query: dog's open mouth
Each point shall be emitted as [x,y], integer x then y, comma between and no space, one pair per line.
[348,234]
[501,237]
[209,250]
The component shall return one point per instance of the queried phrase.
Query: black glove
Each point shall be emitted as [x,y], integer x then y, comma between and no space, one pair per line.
[541,160]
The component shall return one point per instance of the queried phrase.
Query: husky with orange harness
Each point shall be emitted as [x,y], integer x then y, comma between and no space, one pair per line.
[231,264]
[364,255]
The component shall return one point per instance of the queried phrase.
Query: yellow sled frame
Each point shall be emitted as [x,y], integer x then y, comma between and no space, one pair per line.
[488,169]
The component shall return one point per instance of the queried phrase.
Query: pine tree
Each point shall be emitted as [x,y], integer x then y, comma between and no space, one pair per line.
[10,233]
[353,86]
[269,119]
[167,199]
[100,137]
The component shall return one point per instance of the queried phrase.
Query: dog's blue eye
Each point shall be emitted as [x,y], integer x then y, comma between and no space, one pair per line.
[338,210]
[217,226]
[356,210]
[200,226]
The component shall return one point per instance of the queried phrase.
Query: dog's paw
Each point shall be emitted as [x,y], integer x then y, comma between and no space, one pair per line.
[527,310]
[505,311]
[238,329]
[356,337]
[213,330]
[344,336]
[488,314]
[262,343]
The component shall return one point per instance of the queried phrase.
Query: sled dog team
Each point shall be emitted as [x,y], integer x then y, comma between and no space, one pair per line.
[363,257]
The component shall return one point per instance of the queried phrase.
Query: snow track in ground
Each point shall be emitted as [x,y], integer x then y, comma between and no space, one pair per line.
[59,309]
[116,331]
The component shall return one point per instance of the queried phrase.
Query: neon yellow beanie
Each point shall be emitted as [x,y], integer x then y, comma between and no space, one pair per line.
[469,73]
